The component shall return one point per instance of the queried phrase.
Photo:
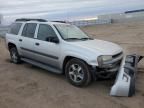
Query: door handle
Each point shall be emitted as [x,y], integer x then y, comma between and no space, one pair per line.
[20,40]
[37,44]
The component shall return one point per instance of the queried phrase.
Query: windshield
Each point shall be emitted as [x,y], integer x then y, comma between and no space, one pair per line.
[70,32]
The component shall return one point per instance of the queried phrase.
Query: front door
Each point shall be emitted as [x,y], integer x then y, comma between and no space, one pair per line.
[47,52]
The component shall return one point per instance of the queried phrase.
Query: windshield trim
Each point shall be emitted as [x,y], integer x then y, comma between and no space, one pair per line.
[58,32]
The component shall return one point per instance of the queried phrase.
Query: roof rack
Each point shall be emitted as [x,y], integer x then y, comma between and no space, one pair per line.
[27,19]
[60,21]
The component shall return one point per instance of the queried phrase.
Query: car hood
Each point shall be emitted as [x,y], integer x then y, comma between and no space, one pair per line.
[103,47]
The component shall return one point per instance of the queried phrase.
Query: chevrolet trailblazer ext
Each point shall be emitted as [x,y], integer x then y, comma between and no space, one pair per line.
[63,48]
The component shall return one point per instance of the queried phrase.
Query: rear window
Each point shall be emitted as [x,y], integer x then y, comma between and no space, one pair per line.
[15,27]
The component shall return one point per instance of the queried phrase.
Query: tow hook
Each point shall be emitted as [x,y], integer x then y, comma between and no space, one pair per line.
[125,82]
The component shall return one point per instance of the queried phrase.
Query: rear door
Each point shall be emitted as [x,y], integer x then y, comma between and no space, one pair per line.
[26,40]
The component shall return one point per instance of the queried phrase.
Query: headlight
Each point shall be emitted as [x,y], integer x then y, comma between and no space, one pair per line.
[104,58]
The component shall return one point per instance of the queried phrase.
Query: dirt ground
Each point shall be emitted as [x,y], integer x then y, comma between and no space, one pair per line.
[26,86]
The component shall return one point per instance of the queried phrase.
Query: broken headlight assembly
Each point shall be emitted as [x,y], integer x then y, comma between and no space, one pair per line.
[103,58]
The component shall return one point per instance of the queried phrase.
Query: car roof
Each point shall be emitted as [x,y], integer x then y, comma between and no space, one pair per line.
[48,22]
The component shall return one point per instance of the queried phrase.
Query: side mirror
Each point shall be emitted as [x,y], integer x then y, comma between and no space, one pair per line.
[55,40]
[52,39]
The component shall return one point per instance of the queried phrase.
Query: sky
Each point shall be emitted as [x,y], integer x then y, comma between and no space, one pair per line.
[64,9]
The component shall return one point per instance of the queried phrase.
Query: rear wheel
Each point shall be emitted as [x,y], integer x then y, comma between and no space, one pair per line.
[15,58]
[77,72]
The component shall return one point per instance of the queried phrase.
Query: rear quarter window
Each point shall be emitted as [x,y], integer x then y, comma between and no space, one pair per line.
[15,27]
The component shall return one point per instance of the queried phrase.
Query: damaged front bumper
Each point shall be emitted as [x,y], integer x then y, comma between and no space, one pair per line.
[125,81]
[109,69]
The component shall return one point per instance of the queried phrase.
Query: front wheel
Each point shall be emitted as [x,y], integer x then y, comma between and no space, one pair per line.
[77,72]
[15,58]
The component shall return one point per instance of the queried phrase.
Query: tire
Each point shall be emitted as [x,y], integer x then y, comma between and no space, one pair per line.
[15,58]
[78,73]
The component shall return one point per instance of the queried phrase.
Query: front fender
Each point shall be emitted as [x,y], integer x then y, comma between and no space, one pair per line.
[89,59]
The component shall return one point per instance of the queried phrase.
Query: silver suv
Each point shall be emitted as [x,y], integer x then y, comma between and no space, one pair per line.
[63,48]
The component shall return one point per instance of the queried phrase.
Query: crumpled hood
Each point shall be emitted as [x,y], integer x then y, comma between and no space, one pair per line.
[103,47]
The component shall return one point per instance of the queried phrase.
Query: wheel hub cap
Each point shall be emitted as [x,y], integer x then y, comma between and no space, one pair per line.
[76,73]
[14,57]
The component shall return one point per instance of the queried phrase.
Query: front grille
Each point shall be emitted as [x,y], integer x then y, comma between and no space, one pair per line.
[117,55]
[116,59]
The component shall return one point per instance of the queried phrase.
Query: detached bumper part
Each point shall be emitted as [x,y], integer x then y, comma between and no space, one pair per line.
[125,81]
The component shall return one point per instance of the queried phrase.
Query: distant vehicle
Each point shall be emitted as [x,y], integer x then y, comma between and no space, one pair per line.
[63,48]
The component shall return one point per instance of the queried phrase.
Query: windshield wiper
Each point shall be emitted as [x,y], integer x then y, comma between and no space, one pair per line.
[72,39]
[87,38]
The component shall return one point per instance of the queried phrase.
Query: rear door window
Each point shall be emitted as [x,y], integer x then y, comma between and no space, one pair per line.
[29,30]
[15,27]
